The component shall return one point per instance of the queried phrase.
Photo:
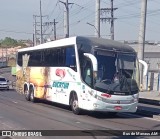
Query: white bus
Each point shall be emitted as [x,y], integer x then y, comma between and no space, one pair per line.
[87,73]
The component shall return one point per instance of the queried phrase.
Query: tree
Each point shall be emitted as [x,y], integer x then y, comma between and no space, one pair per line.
[9,42]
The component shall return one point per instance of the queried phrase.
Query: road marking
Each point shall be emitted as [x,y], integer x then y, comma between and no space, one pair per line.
[78,122]
[7,125]
[14,102]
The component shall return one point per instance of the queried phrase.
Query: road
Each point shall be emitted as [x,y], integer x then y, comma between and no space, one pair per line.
[18,114]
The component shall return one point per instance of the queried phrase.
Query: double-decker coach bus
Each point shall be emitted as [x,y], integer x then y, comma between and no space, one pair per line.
[88,73]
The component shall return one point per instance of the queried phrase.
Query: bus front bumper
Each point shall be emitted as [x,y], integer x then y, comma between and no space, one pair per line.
[107,107]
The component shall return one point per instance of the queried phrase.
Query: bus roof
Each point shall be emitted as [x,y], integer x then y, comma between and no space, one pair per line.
[105,44]
[98,43]
[57,43]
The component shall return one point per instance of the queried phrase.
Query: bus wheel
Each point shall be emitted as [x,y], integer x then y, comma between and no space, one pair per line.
[27,94]
[32,98]
[74,104]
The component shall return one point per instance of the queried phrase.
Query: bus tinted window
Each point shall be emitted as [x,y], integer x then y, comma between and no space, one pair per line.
[35,58]
[61,56]
[52,57]
[19,62]
[70,58]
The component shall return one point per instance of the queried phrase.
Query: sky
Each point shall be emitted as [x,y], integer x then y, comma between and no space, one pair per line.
[16,18]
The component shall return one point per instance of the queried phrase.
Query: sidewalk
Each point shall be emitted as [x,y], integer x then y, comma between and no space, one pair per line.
[150,97]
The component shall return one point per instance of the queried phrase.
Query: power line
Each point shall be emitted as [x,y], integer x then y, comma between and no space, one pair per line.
[12,31]
[47,6]
[149,13]
[78,11]
[66,18]
[54,26]
[73,13]
[51,13]
[109,19]
[127,3]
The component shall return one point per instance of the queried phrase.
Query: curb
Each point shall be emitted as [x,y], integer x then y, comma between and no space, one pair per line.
[149,101]
[146,113]
[157,117]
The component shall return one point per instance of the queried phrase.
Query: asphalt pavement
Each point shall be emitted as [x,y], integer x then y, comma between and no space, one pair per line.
[149,101]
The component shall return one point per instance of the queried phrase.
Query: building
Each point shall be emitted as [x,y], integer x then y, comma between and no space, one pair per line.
[6,53]
[152,57]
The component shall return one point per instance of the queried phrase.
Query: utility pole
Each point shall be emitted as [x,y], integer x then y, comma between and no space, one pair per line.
[55,29]
[66,18]
[41,34]
[40,25]
[52,24]
[97,19]
[35,30]
[112,21]
[6,57]
[109,19]
[2,57]
[142,36]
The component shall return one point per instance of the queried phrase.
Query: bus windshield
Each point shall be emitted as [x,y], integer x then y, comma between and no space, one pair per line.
[117,73]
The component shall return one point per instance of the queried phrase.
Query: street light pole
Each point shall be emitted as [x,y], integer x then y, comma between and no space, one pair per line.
[41,22]
[94,27]
[142,37]
[97,19]
[147,86]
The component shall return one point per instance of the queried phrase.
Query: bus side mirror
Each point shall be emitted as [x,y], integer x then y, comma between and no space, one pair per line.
[145,67]
[94,63]
[93,60]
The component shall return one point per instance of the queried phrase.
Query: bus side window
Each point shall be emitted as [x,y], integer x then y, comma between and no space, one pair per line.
[88,76]
[87,73]
[54,57]
[19,58]
[61,56]
[70,58]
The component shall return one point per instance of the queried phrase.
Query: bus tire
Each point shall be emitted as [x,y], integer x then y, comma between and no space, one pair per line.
[74,104]
[26,93]
[32,98]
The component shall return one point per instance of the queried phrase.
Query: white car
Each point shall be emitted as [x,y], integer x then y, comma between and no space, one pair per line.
[4,83]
